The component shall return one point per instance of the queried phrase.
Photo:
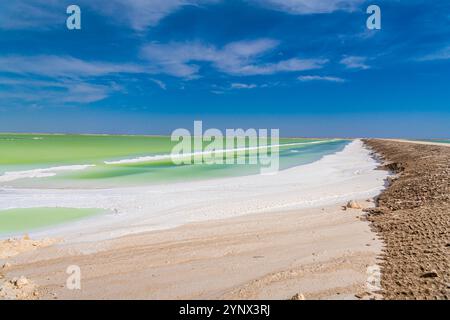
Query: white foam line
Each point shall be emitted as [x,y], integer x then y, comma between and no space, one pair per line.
[40,173]
[187,155]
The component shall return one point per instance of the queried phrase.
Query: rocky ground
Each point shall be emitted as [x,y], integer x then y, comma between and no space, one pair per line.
[413,218]
[18,287]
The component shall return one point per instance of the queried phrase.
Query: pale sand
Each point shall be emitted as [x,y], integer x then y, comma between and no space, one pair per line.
[321,253]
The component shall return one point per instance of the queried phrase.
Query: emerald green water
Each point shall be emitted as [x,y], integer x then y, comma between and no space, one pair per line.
[35,149]
[24,220]
[22,152]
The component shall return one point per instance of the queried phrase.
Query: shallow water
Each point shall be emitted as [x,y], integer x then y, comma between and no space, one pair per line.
[28,219]
[36,154]
[49,162]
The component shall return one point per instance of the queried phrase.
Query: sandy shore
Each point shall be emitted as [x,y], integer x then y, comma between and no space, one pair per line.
[252,237]
[413,219]
[322,253]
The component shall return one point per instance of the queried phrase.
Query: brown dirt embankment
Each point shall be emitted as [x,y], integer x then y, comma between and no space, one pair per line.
[413,218]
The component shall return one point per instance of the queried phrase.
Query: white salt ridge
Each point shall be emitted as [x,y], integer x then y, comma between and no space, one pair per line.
[40,173]
[191,154]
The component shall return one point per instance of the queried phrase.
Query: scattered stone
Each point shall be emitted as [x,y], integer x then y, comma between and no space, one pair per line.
[431,274]
[298,296]
[353,205]
[6,265]
[20,282]
[12,247]
[19,289]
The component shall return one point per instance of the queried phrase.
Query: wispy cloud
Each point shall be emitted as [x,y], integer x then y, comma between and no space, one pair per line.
[321,78]
[136,14]
[58,80]
[62,66]
[242,58]
[54,92]
[309,6]
[31,14]
[141,14]
[443,54]
[159,83]
[355,62]
[243,86]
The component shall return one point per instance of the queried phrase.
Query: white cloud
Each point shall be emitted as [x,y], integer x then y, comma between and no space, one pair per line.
[355,62]
[54,92]
[242,58]
[443,54]
[30,14]
[159,83]
[243,86]
[321,78]
[61,66]
[137,14]
[141,14]
[309,6]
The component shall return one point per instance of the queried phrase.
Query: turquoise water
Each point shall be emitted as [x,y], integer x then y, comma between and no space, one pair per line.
[103,175]
[435,140]
[119,175]
[441,140]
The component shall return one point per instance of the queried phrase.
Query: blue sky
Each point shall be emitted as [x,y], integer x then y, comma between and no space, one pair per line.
[310,68]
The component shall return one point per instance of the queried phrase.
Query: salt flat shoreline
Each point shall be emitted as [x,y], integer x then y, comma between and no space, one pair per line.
[294,245]
[335,178]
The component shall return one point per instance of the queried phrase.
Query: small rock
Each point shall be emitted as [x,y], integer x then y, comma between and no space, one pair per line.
[20,282]
[353,205]
[298,296]
[6,265]
[431,274]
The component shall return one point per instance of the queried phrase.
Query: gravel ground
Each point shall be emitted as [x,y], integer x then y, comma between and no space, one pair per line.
[413,218]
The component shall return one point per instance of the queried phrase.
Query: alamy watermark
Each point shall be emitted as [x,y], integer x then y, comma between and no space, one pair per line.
[73,282]
[236,146]
[373,282]
[374,20]
[73,22]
